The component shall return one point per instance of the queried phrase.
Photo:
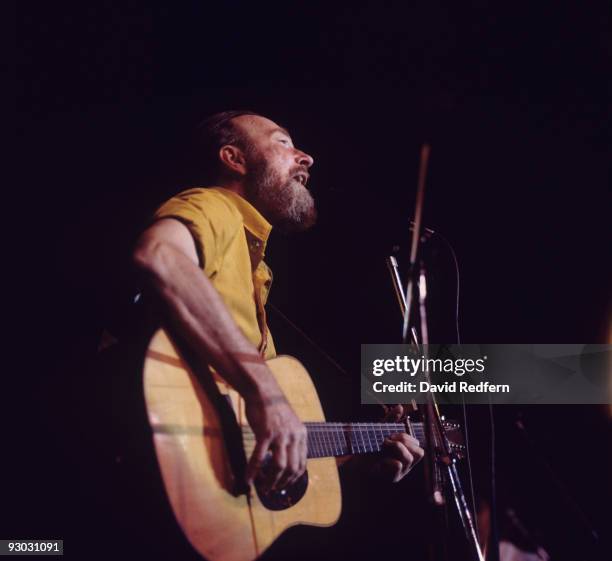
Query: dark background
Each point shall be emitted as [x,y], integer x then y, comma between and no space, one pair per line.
[514,101]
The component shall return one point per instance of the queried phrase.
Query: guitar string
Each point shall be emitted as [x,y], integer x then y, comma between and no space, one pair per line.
[320,447]
[312,436]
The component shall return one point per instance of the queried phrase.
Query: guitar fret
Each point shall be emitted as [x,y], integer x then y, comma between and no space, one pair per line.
[359,439]
[364,435]
[319,441]
[341,441]
[311,444]
[332,439]
[328,450]
[323,442]
[360,442]
[372,431]
[353,440]
[325,439]
[366,428]
[379,437]
[346,438]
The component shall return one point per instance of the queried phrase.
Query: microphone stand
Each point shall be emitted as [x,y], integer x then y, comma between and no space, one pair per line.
[438,445]
[399,292]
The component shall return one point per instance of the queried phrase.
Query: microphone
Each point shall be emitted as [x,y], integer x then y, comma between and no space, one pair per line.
[427,232]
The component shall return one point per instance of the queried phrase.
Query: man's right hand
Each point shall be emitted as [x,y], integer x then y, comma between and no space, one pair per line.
[281,444]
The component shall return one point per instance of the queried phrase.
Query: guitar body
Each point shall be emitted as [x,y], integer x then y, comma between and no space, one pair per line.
[221,524]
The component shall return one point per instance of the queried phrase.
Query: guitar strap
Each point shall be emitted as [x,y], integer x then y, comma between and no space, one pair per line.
[231,430]
[261,317]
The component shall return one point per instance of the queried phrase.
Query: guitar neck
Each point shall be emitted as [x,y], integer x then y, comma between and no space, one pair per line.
[340,439]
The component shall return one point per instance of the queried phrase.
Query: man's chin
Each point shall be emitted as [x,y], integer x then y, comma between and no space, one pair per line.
[299,223]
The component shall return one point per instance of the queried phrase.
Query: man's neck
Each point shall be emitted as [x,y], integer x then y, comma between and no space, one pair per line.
[240,189]
[235,186]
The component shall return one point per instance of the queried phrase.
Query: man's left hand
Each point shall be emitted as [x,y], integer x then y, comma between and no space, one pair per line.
[400,452]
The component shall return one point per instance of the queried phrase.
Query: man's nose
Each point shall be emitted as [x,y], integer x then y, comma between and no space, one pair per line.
[304,159]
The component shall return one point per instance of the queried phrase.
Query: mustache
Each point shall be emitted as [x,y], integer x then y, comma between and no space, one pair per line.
[299,169]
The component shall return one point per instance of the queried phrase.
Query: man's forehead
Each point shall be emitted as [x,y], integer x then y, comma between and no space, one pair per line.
[256,124]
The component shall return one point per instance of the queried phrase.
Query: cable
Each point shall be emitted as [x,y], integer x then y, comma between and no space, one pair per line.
[450,247]
[320,350]
[312,343]
[494,526]
[469,464]
[463,405]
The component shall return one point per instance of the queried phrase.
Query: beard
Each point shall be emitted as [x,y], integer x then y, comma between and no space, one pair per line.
[285,203]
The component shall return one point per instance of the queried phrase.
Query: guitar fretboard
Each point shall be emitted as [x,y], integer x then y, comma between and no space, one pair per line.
[340,439]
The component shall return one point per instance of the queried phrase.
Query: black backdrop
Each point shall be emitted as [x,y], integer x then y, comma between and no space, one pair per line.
[514,101]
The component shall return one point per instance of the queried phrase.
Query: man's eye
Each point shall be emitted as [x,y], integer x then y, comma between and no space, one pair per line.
[284,141]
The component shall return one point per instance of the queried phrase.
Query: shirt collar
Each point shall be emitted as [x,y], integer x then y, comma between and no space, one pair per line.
[253,221]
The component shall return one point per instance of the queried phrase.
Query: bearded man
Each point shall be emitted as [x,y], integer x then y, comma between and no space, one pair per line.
[202,257]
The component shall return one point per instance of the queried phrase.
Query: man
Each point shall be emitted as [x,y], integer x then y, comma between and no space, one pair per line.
[203,259]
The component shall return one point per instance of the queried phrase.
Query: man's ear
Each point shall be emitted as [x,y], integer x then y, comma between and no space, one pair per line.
[233,159]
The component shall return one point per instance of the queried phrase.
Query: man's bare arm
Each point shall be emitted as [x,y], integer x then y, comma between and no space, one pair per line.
[166,257]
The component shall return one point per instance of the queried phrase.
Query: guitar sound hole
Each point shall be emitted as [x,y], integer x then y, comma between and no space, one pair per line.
[283,498]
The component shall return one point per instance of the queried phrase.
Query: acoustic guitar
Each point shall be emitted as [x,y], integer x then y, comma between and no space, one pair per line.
[202,442]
